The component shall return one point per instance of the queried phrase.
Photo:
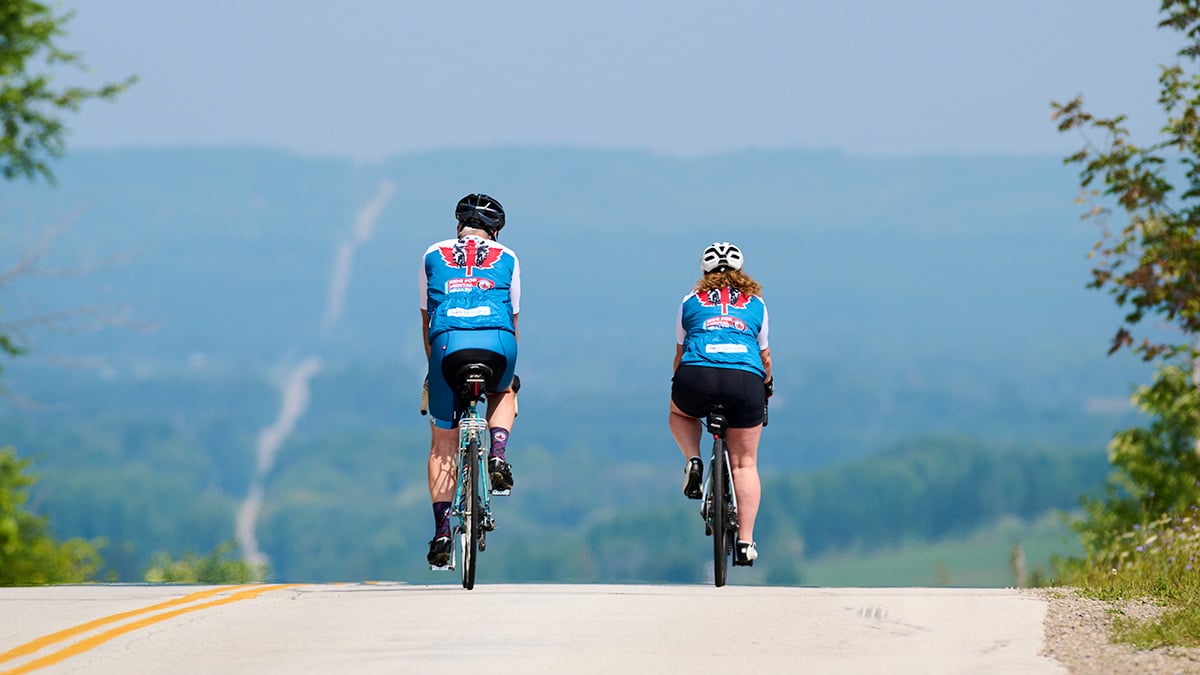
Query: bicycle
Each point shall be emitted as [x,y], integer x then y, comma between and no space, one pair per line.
[719,502]
[472,504]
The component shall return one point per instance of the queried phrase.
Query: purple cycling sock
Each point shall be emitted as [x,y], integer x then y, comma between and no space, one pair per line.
[499,441]
[441,519]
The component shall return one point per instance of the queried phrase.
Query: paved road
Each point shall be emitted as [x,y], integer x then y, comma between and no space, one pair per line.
[398,628]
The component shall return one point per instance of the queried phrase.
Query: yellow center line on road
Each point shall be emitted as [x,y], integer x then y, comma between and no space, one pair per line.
[94,641]
[46,640]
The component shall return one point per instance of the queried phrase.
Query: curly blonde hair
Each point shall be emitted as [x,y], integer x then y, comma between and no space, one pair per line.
[732,278]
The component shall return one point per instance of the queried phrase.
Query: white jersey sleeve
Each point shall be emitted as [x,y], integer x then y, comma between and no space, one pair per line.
[680,332]
[762,334]
[423,284]
[514,290]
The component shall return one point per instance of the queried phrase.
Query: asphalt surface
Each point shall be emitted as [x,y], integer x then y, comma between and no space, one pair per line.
[399,628]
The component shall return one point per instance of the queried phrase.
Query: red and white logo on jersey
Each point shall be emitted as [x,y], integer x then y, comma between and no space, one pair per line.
[470,254]
[715,322]
[725,297]
[463,285]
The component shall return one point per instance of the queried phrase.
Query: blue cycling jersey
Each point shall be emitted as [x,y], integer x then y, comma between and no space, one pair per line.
[723,328]
[470,283]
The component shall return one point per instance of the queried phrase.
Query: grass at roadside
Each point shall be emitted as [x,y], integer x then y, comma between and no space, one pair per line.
[1158,560]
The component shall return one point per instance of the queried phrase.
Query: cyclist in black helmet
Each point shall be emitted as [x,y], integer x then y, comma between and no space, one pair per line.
[470,295]
[722,356]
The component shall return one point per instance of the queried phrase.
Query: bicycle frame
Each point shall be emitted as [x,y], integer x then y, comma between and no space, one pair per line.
[472,504]
[719,500]
[472,427]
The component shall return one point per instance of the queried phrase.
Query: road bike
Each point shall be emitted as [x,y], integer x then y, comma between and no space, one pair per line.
[719,502]
[472,495]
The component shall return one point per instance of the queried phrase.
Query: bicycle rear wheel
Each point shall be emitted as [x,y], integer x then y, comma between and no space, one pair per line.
[719,477]
[469,536]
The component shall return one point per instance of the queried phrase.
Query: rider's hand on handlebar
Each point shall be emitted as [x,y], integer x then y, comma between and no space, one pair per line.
[769,386]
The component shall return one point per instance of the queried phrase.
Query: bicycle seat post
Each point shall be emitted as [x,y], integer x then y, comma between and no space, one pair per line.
[716,421]
[472,379]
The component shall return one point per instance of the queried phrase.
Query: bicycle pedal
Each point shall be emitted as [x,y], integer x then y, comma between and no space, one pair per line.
[443,568]
[501,493]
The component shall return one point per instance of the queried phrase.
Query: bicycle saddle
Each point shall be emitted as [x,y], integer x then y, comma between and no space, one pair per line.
[473,378]
[717,423]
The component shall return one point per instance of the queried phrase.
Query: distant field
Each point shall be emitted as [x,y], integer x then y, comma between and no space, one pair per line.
[983,559]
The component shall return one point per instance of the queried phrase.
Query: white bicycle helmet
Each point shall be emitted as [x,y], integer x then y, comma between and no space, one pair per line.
[721,256]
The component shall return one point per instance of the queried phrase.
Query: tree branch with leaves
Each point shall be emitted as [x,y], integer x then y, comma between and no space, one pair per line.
[29,103]
[1151,267]
[31,133]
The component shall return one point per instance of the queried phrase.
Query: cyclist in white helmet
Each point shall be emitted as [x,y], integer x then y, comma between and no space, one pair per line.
[722,356]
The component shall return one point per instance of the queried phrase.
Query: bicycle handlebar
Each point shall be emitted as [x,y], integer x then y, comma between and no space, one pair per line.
[769,389]
[425,397]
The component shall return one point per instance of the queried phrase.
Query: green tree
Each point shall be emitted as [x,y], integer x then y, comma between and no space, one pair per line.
[1151,267]
[1156,468]
[218,567]
[29,103]
[28,554]
[33,132]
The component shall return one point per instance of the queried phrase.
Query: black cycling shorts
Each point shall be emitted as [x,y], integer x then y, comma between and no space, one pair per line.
[695,388]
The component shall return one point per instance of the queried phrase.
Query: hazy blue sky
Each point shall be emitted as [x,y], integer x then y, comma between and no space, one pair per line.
[373,78]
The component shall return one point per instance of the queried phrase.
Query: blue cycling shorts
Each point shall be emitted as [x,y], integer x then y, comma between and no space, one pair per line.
[442,398]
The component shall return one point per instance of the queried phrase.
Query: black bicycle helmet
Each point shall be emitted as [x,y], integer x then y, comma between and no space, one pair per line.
[480,211]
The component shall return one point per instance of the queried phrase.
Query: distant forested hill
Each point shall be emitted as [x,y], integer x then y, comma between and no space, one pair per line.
[922,272]
[908,297]
[232,250]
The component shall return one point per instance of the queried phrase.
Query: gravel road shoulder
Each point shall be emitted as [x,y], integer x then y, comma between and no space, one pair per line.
[1077,635]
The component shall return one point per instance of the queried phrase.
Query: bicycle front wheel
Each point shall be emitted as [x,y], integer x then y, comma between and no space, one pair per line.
[469,536]
[719,477]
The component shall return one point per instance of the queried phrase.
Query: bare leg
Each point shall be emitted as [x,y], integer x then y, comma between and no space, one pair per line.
[442,446]
[686,431]
[502,409]
[743,455]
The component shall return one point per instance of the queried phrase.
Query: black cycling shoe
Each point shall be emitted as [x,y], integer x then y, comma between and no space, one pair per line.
[439,552]
[501,474]
[745,554]
[693,476]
